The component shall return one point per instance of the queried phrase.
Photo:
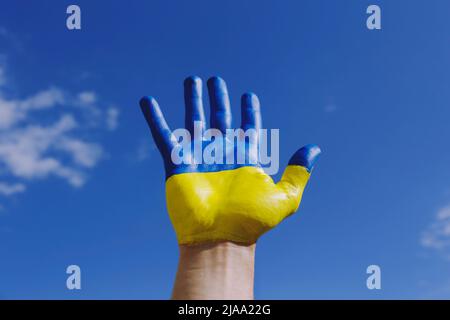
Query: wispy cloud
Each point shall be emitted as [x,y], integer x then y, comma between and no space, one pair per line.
[10,189]
[437,234]
[37,151]
[12,111]
[144,150]
[87,98]
[44,135]
[42,100]
[112,118]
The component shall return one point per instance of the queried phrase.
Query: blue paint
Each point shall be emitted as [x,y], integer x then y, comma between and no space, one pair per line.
[193,102]
[306,156]
[250,111]
[221,120]
[158,125]
[220,104]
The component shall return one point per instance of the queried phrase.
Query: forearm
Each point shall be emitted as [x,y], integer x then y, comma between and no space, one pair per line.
[222,270]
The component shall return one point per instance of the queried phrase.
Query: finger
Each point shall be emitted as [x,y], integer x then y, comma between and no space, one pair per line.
[220,104]
[296,176]
[306,157]
[194,104]
[250,112]
[161,133]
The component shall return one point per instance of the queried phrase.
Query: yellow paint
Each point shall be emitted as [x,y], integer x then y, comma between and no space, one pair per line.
[235,205]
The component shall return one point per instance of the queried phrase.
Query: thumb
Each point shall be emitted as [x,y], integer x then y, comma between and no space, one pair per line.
[296,175]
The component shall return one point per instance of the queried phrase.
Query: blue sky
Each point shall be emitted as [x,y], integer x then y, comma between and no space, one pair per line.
[81,181]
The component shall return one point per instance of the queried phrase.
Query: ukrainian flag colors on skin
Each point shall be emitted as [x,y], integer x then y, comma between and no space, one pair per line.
[223,202]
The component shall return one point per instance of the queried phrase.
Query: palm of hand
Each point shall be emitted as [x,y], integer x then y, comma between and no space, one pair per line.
[214,202]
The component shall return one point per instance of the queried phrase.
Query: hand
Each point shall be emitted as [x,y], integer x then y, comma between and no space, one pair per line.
[219,201]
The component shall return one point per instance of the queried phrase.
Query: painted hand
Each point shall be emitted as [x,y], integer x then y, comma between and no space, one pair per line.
[224,201]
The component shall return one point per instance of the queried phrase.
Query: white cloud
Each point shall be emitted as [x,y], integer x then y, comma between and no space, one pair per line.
[444,213]
[29,152]
[94,115]
[83,153]
[87,98]
[13,111]
[112,118]
[10,189]
[9,113]
[437,234]
[42,100]
[40,137]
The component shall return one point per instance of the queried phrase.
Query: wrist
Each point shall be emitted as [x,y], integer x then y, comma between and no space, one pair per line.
[219,270]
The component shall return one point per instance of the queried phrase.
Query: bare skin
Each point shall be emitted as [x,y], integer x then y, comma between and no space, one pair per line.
[213,271]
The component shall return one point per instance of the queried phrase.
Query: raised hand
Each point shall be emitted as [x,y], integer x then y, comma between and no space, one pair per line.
[223,201]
